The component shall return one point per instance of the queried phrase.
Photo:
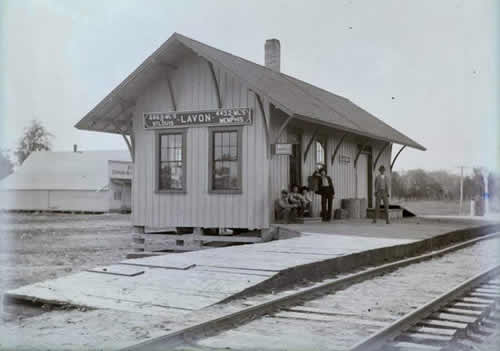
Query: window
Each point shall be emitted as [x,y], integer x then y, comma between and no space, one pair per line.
[117,196]
[225,160]
[171,162]
[320,153]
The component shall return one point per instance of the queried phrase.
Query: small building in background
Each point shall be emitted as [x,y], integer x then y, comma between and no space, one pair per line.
[78,181]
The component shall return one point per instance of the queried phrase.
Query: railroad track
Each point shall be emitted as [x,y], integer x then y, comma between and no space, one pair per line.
[384,332]
[439,323]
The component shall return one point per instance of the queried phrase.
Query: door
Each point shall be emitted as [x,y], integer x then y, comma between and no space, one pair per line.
[295,165]
[362,177]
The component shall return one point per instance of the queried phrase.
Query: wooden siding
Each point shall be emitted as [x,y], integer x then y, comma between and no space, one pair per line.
[24,200]
[343,174]
[75,200]
[55,200]
[193,89]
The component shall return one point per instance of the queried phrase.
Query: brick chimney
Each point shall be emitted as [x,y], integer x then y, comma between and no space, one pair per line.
[272,54]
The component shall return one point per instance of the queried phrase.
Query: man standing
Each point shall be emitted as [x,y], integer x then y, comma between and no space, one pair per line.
[327,192]
[381,193]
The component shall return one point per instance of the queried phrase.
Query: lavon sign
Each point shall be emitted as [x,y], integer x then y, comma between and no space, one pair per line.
[176,119]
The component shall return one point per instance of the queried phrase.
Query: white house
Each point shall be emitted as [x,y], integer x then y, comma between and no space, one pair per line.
[87,181]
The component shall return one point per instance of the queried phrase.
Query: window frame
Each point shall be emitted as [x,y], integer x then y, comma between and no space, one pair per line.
[323,145]
[159,133]
[211,132]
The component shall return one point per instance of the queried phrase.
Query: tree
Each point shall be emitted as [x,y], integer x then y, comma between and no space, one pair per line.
[36,138]
[398,186]
[6,165]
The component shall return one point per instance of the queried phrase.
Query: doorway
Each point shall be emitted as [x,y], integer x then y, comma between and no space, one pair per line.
[364,176]
[295,160]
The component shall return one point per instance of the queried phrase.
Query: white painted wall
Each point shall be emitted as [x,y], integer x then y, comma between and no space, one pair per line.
[55,200]
[193,89]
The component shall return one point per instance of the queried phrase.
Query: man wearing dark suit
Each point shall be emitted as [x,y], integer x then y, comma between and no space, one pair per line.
[381,193]
[327,192]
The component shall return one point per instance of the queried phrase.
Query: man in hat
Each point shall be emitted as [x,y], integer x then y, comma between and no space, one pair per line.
[381,193]
[284,209]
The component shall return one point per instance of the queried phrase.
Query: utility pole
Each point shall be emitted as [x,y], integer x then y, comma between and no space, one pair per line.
[461,189]
[486,192]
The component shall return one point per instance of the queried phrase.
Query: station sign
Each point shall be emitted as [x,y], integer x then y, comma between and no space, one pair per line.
[283,149]
[121,170]
[178,119]
[344,159]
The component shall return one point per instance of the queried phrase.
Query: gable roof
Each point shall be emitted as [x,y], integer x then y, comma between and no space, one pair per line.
[64,170]
[295,97]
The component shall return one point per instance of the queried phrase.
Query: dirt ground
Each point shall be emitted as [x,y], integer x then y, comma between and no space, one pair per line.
[36,247]
[429,207]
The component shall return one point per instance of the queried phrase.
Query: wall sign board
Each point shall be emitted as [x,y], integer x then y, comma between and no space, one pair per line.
[282,149]
[218,117]
[344,159]
[120,170]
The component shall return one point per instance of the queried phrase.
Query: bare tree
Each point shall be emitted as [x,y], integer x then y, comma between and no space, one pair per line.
[36,138]
[6,165]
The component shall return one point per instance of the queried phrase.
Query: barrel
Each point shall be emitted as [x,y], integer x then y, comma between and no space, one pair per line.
[352,206]
[363,207]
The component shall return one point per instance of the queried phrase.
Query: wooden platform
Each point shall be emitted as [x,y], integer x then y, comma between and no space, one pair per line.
[172,242]
[177,283]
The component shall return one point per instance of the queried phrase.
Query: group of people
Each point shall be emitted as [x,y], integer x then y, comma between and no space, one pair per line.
[298,201]
[294,203]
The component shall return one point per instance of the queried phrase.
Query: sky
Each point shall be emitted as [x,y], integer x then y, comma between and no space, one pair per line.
[428,68]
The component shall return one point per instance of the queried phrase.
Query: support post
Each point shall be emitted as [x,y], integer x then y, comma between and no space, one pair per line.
[266,124]
[129,146]
[358,154]
[282,128]
[138,239]
[338,147]
[171,92]
[216,84]
[396,157]
[380,154]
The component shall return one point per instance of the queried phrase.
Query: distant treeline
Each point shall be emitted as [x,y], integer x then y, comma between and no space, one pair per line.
[419,184]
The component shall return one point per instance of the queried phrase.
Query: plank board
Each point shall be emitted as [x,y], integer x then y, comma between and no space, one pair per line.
[117,269]
[437,331]
[409,346]
[329,318]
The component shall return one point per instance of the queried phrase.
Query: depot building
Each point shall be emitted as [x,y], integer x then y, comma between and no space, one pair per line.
[215,137]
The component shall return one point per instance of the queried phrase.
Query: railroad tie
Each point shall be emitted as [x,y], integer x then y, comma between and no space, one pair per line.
[409,346]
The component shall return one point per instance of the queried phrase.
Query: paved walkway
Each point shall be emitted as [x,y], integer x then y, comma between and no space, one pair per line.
[174,284]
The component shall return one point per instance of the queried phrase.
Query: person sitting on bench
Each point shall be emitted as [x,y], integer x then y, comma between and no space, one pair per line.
[284,209]
[306,200]
[295,198]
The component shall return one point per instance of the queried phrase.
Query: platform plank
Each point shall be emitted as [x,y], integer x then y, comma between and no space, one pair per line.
[128,271]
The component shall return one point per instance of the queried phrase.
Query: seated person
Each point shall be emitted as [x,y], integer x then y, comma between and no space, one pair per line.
[297,198]
[284,209]
[306,200]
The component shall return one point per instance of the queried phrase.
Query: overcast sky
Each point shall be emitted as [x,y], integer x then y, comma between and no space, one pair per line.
[429,68]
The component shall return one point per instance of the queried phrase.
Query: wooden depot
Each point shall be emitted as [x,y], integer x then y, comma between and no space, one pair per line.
[278,130]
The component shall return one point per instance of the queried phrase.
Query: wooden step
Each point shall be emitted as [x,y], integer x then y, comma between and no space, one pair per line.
[308,220]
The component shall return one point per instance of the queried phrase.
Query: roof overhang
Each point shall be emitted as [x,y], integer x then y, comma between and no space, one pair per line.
[114,113]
